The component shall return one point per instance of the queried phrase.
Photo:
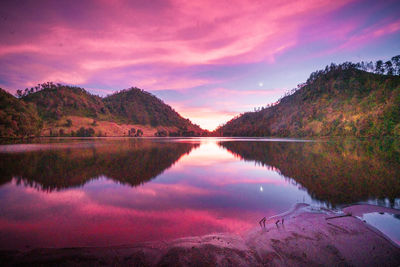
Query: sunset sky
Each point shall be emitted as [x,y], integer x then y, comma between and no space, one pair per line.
[209,60]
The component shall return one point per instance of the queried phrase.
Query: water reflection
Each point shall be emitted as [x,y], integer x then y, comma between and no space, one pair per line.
[120,191]
[389,224]
[54,167]
[337,173]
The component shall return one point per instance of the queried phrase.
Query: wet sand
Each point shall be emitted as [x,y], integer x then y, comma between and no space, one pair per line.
[306,238]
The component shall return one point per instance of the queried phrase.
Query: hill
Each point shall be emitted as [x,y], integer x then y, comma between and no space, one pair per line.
[72,111]
[342,100]
[55,101]
[138,106]
[17,118]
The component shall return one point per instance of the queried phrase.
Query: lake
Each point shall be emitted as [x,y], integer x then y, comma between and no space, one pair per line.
[115,191]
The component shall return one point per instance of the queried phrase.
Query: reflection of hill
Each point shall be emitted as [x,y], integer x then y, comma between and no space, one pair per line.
[338,173]
[131,162]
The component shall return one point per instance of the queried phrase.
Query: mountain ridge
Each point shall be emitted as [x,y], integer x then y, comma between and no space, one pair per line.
[342,100]
[73,111]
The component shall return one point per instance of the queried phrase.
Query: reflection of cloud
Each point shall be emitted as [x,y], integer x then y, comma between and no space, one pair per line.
[107,213]
[190,198]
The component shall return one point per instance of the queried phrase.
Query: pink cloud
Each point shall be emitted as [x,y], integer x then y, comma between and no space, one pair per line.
[350,34]
[178,33]
[371,33]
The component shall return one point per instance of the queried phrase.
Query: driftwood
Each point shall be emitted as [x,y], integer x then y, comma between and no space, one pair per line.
[340,216]
[263,220]
[280,217]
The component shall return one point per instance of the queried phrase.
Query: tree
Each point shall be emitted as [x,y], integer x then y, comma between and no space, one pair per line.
[132,132]
[370,66]
[90,132]
[362,66]
[69,123]
[83,132]
[379,67]
[161,133]
[396,64]
[80,132]
[389,67]
[139,133]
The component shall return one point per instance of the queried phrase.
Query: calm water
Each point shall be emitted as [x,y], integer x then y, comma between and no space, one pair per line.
[100,192]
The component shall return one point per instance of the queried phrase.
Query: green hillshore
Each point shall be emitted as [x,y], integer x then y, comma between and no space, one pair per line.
[59,110]
[361,100]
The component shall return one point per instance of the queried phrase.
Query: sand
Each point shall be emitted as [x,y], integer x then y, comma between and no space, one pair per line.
[306,238]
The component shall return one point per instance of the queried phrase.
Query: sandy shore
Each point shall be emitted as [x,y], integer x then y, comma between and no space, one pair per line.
[306,238]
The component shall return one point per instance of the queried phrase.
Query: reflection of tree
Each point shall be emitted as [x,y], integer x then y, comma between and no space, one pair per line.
[338,173]
[130,162]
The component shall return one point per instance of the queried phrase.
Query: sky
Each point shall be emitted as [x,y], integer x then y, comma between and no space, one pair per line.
[210,60]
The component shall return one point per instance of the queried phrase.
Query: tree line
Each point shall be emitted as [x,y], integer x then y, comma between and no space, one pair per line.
[44,86]
[389,67]
[349,99]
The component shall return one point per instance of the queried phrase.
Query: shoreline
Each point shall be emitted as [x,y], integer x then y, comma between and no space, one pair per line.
[305,238]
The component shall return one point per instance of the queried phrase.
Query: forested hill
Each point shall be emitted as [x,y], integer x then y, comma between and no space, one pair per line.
[17,118]
[55,101]
[342,100]
[138,106]
[67,110]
